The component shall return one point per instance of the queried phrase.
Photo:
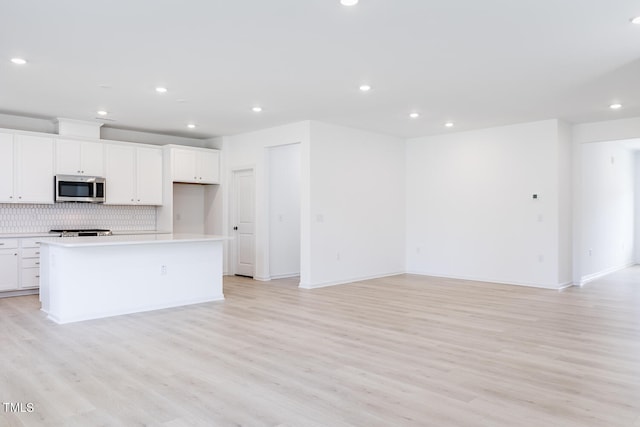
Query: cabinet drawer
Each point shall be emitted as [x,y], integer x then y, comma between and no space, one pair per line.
[31,243]
[30,262]
[30,252]
[30,278]
[8,243]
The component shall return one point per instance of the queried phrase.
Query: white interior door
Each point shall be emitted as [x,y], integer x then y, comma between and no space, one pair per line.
[244,222]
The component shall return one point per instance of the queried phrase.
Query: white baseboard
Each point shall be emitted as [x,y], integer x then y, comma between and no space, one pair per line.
[284,276]
[343,282]
[594,276]
[490,280]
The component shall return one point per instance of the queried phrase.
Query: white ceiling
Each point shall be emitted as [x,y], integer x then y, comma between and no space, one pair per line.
[477,63]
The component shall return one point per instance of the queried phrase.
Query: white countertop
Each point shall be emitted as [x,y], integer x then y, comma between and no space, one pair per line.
[47,234]
[140,239]
[24,235]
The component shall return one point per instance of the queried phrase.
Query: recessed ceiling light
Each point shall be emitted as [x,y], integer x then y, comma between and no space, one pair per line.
[449,124]
[161,89]
[636,20]
[414,115]
[615,106]
[102,113]
[191,126]
[19,61]
[256,109]
[348,2]
[365,88]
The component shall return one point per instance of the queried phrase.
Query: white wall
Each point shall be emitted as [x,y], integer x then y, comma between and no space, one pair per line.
[250,150]
[565,203]
[607,208]
[33,124]
[610,130]
[284,211]
[470,210]
[188,208]
[637,207]
[357,205]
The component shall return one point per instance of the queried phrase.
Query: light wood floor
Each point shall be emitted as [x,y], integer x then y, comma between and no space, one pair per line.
[399,351]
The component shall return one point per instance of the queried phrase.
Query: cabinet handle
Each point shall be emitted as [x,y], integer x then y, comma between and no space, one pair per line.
[37,253]
[11,197]
[37,263]
[19,197]
[37,277]
[1,244]
[132,200]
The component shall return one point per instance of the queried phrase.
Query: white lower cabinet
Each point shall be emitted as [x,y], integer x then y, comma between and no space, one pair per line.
[9,260]
[19,265]
[29,264]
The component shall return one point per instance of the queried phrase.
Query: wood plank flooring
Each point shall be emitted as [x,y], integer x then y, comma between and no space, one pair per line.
[399,351]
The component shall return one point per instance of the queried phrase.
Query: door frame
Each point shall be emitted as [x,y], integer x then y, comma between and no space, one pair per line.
[233,202]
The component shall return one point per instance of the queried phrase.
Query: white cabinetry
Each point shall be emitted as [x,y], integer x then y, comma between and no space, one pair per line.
[8,264]
[196,165]
[29,263]
[26,169]
[75,157]
[6,167]
[133,175]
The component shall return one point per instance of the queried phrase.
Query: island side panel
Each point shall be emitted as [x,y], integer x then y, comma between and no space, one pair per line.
[88,282]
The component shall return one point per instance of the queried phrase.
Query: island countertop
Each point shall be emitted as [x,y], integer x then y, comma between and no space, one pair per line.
[137,239]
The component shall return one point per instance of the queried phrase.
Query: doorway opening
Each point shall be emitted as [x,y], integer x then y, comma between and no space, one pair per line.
[284,166]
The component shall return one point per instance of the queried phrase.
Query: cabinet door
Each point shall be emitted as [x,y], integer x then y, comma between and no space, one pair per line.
[6,167]
[34,169]
[208,167]
[184,165]
[68,157]
[119,175]
[92,158]
[8,269]
[30,278]
[149,176]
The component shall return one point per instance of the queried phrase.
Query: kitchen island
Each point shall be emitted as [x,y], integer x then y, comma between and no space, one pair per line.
[85,278]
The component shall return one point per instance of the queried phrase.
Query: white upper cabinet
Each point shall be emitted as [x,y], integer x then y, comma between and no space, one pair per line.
[133,175]
[197,165]
[79,157]
[149,176]
[26,169]
[6,167]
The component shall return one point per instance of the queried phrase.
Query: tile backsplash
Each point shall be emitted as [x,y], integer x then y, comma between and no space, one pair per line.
[24,218]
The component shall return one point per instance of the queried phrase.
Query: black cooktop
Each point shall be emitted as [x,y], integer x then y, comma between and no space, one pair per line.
[79,230]
[82,232]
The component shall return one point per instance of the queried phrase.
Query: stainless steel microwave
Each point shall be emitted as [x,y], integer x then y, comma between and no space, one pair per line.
[78,188]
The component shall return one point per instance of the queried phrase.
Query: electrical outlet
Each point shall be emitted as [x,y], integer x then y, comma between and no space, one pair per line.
[590,252]
[163,270]
[338,256]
